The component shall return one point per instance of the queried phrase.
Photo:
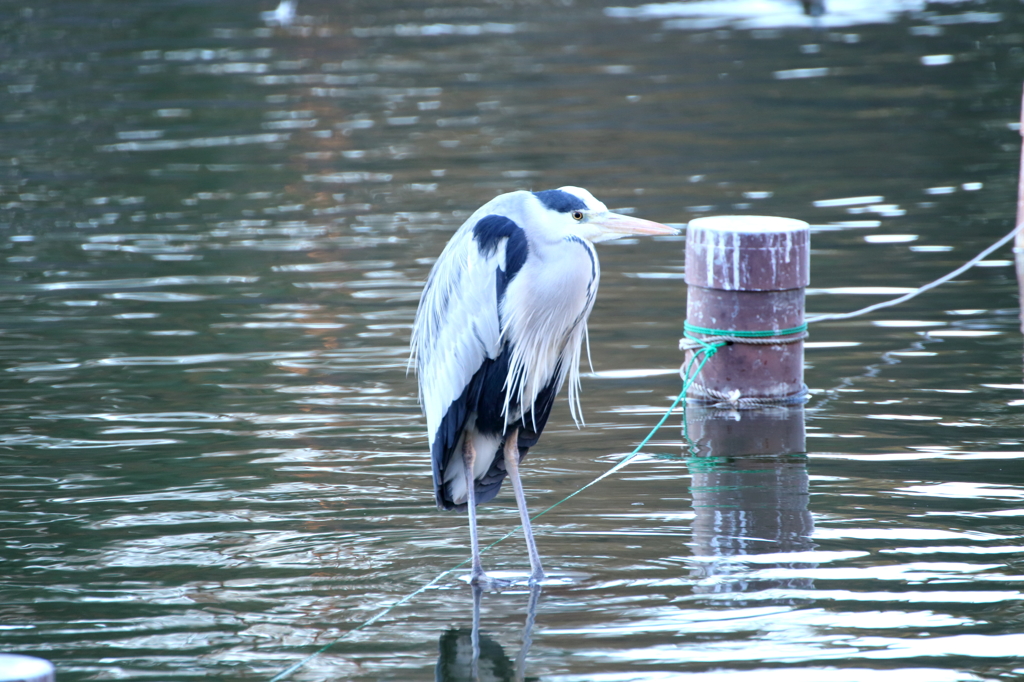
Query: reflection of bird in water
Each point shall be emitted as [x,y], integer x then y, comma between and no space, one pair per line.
[455,661]
[468,655]
[813,8]
[500,325]
[284,15]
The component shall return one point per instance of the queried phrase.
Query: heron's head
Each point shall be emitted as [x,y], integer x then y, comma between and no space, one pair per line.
[575,211]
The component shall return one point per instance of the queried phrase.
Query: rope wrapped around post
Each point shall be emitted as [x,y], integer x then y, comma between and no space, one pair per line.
[717,338]
[767,337]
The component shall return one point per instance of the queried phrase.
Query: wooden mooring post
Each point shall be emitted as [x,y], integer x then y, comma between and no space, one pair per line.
[745,279]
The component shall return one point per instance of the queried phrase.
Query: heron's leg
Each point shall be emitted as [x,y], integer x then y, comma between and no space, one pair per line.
[512,467]
[468,459]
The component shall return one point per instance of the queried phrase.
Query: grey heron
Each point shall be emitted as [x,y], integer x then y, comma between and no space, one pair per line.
[500,325]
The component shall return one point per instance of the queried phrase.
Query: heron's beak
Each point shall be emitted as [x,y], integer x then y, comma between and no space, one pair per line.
[614,225]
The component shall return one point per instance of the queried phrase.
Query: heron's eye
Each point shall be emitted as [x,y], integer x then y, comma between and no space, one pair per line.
[577,215]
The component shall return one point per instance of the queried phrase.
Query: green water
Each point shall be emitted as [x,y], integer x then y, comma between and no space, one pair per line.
[213,234]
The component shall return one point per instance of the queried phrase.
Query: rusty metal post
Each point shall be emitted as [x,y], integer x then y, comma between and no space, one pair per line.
[747,274]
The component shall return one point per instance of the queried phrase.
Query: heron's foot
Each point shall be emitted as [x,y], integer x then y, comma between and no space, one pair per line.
[478,577]
[507,580]
[489,583]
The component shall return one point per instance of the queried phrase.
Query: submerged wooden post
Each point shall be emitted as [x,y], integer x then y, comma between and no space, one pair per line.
[745,279]
[1018,240]
[749,486]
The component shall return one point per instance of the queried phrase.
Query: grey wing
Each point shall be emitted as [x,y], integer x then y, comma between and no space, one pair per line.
[457,330]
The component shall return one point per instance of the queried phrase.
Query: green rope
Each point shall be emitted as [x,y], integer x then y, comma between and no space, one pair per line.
[700,357]
[707,350]
[763,334]
[704,354]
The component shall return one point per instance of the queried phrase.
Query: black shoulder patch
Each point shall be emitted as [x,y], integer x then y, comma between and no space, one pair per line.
[490,230]
[560,201]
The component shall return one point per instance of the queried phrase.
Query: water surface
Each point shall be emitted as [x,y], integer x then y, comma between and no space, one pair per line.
[214,232]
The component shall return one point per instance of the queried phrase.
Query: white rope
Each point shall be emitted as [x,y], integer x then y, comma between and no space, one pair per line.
[931,285]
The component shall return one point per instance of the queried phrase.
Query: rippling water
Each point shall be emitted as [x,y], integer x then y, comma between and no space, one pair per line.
[214,229]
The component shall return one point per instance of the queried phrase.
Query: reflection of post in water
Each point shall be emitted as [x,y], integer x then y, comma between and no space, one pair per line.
[1018,239]
[750,494]
[471,656]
